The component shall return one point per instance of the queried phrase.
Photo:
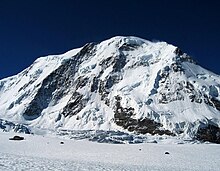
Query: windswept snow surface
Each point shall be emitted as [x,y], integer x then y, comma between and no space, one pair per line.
[46,153]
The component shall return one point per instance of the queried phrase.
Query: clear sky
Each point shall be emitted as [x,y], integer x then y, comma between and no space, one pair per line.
[33,28]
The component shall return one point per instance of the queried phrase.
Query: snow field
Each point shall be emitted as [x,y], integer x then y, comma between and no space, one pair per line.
[46,153]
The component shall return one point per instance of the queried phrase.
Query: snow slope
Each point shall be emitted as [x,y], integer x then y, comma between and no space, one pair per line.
[123,83]
[46,153]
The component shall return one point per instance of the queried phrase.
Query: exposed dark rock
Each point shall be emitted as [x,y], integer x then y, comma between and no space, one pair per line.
[102,91]
[177,67]
[211,101]
[22,97]
[21,129]
[87,50]
[128,47]
[149,101]
[112,80]
[192,97]
[156,83]
[17,138]
[58,117]
[189,86]
[107,101]
[183,57]
[187,58]
[167,152]
[75,105]
[178,51]
[28,84]
[103,86]
[123,118]
[8,126]
[164,74]
[209,132]
[154,141]
[2,85]
[216,103]
[11,106]
[119,63]
[81,82]
[105,63]
[95,86]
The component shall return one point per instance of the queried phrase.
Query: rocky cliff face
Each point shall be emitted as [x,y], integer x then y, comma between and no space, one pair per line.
[124,83]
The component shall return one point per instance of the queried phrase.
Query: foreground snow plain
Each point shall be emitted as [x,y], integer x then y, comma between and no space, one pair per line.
[39,152]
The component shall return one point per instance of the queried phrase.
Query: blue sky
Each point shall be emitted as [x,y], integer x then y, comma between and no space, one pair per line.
[30,29]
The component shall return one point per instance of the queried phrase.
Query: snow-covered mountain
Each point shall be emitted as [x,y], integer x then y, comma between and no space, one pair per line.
[124,83]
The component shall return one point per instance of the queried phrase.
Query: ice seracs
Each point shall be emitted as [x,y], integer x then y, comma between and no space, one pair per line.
[123,83]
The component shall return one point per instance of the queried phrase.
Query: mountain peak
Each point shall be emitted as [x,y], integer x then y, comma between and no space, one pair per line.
[132,40]
[127,39]
[123,83]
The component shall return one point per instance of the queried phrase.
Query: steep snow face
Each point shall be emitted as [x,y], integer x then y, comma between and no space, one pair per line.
[17,91]
[124,83]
